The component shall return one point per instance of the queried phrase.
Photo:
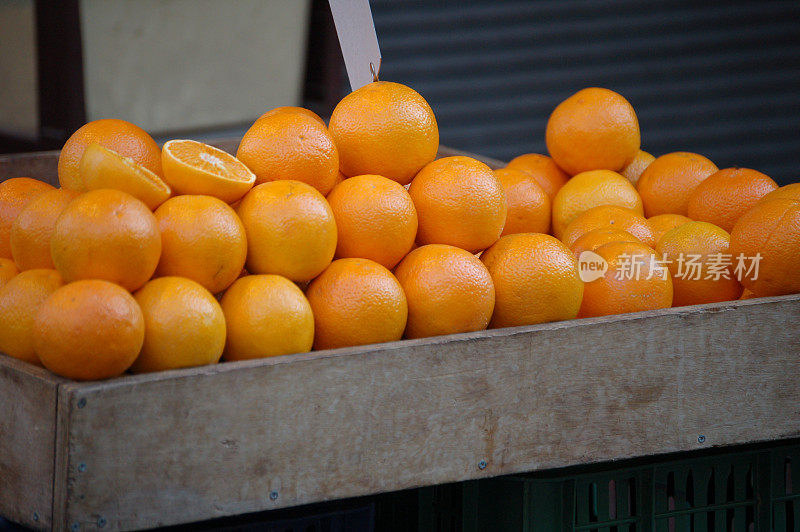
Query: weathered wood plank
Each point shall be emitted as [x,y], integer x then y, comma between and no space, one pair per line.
[206,442]
[27,442]
[44,165]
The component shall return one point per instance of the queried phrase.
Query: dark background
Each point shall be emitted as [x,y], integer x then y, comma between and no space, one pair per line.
[717,78]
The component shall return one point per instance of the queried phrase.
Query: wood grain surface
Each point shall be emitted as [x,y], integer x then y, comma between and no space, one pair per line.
[27,442]
[220,440]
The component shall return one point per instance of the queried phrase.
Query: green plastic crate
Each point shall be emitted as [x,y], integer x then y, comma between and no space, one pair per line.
[744,491]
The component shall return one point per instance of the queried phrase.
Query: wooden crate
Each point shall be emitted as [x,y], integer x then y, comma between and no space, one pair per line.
[180,446]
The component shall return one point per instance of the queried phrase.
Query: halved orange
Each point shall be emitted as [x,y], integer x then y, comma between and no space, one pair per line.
[104,168]
[191,167]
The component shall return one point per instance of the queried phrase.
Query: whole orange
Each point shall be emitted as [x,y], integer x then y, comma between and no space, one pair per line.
[724,196]
[661,223]
[448,291]
[183,325]
[666,184]
[459,202]
[290,230]
[609,216]
[791,191]
[128,140]
[31,231]
[356,302]
[635,280]
[385,129]
[293,109]
[375,219]
[106,234]
[594,129]
[192,167]
[535,280]
[88,330]
[15,194]
[595,238]
[592,189]
[528,205]
[266,316]
[764,245]
[8,270]
[20,299]
[202,239]
[633,170]
[291,146]
[543,169]
[700,263]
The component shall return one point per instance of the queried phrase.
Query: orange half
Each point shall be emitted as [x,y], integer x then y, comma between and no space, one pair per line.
[191,167]
[104,168]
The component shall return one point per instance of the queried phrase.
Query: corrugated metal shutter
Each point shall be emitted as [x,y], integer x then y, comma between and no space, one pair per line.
[717,78]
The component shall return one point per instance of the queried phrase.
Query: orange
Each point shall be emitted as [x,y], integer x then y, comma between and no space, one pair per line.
[594,129]
[633,170]
[291,146]
[202,239]
[266,316]
[791,191]
[88,330]
[128,140]
[339,178]
[609,216]
[375,219]
[459,202]
[747,294]
[20,299]
[635,280]
[292,109]
[192,167]
[771,231]
[661,223]
[595,238]
[31,231]
[106,234]
[543,169]
[665,185]
[104,168]
[385,129]
[8,270]
[15,194]
[592,189]
[724,196]
[356,302]
[183,325]
[700,263]
[535,280]
[528,205]
[290,230]
[448,291]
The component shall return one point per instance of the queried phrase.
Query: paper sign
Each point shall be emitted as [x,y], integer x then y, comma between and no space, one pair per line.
[356,30]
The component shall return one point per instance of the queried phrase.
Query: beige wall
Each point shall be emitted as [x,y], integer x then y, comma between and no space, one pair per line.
[170,65]
[19,114]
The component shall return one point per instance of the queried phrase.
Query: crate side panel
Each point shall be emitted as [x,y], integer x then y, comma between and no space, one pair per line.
[28,398]
[234,438]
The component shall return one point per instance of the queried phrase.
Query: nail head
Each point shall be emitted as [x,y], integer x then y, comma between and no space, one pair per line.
[482,464]
[81,402]
[101,522]
[701,439]
[273,495]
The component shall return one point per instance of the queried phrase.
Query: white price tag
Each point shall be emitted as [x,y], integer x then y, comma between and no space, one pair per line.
[356,30]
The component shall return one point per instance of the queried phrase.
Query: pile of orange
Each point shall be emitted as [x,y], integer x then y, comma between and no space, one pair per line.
[318,236]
